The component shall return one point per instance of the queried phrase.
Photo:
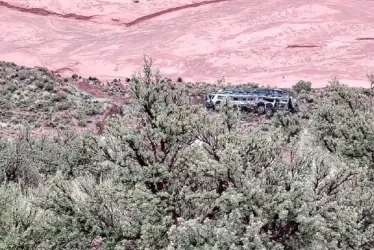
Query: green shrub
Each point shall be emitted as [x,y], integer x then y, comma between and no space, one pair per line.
[302,86]
[39,84]
[12,88]
[92,110]
[309,98]
[63,106]
[48,87]
[82,123]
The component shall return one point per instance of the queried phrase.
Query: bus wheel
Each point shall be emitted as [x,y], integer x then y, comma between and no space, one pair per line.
[269,112]
[261,109]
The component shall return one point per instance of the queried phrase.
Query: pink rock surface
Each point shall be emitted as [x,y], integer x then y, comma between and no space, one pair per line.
[272,42]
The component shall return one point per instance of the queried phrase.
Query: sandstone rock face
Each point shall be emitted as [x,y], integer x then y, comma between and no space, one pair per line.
[273,42]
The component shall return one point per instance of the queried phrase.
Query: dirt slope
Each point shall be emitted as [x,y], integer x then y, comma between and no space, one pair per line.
[274,42]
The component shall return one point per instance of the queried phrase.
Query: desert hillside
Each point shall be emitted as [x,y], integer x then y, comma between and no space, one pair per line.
[271,42]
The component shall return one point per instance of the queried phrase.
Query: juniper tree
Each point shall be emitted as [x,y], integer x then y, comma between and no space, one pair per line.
[231,191]
[302,86]
[343,123]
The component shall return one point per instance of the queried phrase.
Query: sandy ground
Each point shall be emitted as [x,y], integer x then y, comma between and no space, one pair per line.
[272,42]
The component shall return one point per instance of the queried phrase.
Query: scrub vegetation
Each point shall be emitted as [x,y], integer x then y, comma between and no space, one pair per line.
[168,174]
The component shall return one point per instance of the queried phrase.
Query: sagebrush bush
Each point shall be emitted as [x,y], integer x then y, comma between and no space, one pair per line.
[302,86]
[11,88]
[48,87]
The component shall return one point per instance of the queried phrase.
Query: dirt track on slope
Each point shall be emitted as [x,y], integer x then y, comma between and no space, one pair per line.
[44,12]
[170,10]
